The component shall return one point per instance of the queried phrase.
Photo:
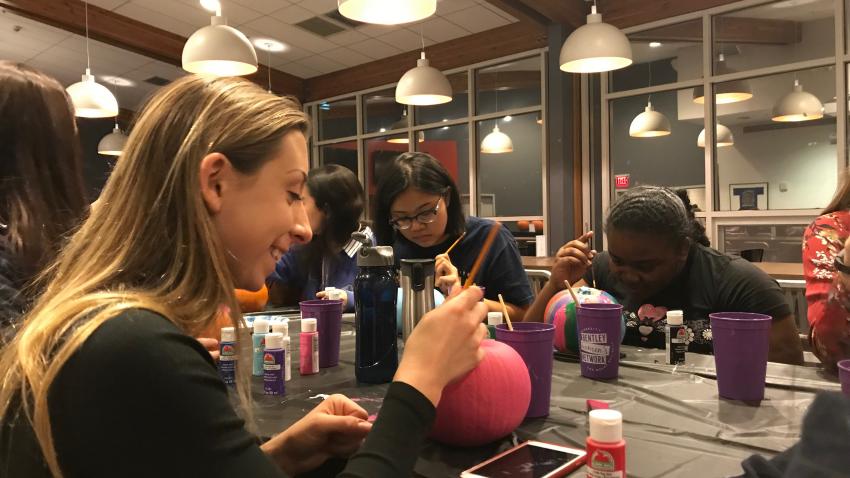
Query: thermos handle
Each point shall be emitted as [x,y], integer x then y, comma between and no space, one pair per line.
[417,277]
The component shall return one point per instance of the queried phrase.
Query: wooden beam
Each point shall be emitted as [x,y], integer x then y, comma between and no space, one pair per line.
[570,13]
[128,34]
[514,38]
[729,30]
[627,13]
[521,11]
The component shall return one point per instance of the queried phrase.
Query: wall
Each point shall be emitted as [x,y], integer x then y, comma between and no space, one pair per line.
[808,167]
[96,167]
[673,160]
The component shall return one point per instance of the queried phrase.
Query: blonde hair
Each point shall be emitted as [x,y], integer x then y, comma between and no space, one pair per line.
[150,243]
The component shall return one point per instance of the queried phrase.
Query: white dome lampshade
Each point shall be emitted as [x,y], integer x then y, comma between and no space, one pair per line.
[497,142]
[91,99]
[798,105]
[423,85]
[387,12]
[219,50]
[726,92]
[649,124]
[113,143]
[595,47]
[724,137]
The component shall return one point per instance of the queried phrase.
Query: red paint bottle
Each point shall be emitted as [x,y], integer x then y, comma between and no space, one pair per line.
[606,449]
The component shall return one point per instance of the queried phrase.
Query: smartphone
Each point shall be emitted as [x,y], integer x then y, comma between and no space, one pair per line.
[532,459]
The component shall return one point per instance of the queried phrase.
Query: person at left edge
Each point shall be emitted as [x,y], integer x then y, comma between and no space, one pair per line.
[334,203]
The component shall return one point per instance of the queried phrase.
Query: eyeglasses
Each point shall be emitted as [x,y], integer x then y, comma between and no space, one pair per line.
[425,217]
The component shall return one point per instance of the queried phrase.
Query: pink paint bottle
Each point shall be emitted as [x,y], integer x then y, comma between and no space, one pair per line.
[606,449]
[309,347]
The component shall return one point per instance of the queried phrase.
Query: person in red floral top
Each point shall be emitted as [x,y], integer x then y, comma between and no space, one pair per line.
[828,290]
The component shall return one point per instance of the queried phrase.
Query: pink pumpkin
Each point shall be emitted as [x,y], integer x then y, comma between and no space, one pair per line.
[488,403]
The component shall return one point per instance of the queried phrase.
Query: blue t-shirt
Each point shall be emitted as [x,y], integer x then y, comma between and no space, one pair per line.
[500,273]
[339,271]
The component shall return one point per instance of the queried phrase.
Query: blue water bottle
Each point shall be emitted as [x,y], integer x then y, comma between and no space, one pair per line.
[376,353]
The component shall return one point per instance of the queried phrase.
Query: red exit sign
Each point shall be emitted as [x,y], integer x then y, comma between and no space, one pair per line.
[621,181]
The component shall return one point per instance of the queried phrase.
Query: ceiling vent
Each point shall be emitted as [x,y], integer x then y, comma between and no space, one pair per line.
[320,26]
[158,81]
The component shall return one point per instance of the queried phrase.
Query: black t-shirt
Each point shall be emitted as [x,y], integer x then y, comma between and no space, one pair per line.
[501,271]
[140,398]
[710,282]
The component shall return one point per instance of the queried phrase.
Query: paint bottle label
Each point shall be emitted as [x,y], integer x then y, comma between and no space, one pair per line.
[259,342]
[287,375]
[227,363]
[601,464]
[315,353]
[273,379]
[676,344]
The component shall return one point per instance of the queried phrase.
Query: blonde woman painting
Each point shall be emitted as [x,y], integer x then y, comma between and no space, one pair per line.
[104,377]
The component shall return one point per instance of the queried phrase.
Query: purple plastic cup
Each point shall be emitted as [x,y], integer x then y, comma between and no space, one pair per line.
[328,315]
[599,332]
[844,376]
[534,343]
[741,342]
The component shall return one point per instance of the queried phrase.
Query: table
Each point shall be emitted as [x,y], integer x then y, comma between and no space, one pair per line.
[777,270]
[674,422]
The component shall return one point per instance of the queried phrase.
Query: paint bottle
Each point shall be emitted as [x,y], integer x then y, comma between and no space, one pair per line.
[282,328]
[227,357]
[675,336]
[309,343]
[606,449]
[261,328]
[273,362]
[494,319]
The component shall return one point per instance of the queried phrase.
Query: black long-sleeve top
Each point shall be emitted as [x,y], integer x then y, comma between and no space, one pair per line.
[141,398]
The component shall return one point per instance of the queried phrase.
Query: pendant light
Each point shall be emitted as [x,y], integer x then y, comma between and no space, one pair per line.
[724,136]
[798,105]
[650,123]
[728,91]
[497,142]
[595,47]
[113,143]
[91,99]
[423,85]
[387,12]
[220,50]
[403,123]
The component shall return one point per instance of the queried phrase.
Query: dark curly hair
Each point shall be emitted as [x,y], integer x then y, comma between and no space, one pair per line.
[658,210]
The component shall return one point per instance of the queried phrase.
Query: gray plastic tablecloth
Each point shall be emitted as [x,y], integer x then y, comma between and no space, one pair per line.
[674,422]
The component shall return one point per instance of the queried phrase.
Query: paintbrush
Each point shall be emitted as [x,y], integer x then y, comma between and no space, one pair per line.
[505,311]
[491,236]
[454,244]
[572,292]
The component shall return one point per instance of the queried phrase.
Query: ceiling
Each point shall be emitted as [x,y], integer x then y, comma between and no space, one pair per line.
[309,54]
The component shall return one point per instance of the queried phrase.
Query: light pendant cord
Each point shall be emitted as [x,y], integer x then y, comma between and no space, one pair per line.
[422,36]
[88,57]
[269,65]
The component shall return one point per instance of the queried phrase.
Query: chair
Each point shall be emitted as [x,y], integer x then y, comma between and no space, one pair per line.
[538,278]
[753,255]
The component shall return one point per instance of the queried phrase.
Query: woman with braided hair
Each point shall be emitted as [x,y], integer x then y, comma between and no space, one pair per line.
[659,259]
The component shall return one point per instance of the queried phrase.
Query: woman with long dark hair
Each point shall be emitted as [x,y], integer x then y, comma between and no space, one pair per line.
[41,187]
[334,203]
[419,213]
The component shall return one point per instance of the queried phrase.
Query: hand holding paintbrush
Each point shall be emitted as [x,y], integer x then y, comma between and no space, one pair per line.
[446,274]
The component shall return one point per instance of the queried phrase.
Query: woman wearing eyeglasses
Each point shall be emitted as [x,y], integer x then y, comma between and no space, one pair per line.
[418,212]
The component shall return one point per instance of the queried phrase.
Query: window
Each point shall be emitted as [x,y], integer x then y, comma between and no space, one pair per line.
[450,145]
[344,154]
[455,109]
[509,183]
[337,119]
[510,85]
[382,113]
